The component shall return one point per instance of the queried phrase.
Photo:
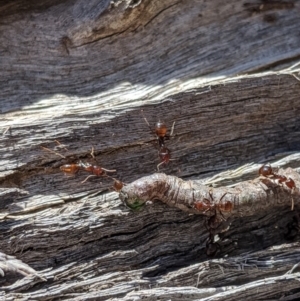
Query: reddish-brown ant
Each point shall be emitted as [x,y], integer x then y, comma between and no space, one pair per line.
[207,204]
[70,168]
[118,185]
[280,180]
[213,221]
[160,131]
[74,168]
[95,170]
[267,171]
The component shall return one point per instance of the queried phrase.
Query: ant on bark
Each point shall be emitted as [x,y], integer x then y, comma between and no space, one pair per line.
[94,170]
[267,171]
[278,180]
[213,222]
[118,185]
[207,204]
[160,131]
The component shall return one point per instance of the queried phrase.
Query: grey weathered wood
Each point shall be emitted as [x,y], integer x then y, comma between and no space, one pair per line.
[80,72]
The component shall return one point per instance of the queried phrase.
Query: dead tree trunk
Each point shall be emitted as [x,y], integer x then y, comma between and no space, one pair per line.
[75,76]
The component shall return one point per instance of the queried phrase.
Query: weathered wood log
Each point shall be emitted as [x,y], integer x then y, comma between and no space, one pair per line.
[80,73]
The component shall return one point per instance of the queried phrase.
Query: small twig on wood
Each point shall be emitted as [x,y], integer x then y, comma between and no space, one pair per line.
[53,152]
[6,130]
[292,269]
[61,145]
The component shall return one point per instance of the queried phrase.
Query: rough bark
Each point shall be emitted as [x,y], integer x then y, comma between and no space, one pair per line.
[80,73]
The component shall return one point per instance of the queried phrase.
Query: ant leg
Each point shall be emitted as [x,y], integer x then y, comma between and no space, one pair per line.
[212,247]
[87,178]
[223,217]
[211,197]
[222,196]
[172,129]
[161,163]
[108,170]
[92,153]
[151,130]
[293,203]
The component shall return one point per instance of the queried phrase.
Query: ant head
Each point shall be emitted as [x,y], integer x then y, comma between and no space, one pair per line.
[118,185]
[160,129]
[265,170]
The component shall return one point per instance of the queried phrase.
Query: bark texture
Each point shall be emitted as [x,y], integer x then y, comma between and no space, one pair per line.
[75,76]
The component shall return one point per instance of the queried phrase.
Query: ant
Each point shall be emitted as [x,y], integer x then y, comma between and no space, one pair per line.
[74,168]
[213,222]
[118,185]
[279,180]
[95,170]
[267,171]
[207,204]
[160,131]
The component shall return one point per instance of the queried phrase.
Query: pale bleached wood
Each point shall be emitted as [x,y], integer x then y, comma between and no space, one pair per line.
[80,72]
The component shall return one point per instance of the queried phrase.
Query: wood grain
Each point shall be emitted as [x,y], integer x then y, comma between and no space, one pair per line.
[80,73]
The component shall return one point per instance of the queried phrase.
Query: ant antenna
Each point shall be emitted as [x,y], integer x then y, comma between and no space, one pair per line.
[172,129]
[92,153]
[161,163]
[142,112]
[108,170]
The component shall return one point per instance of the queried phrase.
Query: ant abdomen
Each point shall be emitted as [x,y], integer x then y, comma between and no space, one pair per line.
[70,168]
[225,206]
[290,183]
